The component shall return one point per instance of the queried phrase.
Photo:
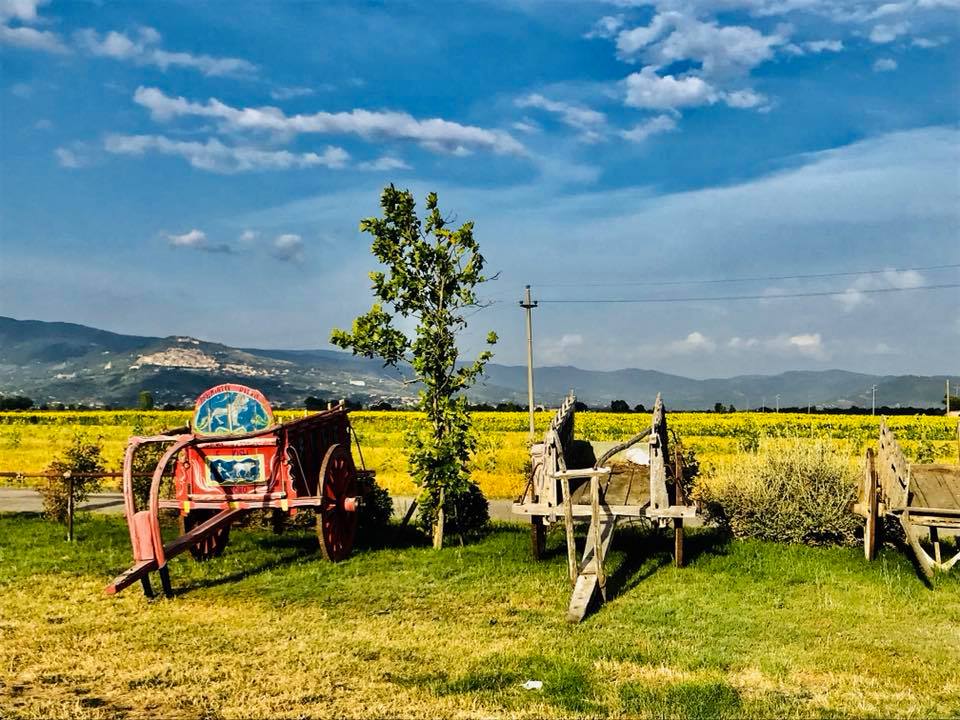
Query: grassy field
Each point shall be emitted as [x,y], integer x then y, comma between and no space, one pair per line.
[29,440]
[269,629]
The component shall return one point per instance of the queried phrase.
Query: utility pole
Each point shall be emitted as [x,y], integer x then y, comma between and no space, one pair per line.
[528,305]
[873,403]
[763,403]
[948,396]
[778,402]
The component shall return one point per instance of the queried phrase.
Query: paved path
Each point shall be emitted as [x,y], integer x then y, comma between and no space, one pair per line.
[28,500]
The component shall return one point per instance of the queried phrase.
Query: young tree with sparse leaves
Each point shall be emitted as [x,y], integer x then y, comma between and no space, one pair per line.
[431,275]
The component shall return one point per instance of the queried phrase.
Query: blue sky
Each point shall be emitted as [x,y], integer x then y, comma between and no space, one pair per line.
[201,168]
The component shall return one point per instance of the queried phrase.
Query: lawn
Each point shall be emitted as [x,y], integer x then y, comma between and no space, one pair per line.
[270,629]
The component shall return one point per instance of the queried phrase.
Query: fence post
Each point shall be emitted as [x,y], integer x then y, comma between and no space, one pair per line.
[68,476]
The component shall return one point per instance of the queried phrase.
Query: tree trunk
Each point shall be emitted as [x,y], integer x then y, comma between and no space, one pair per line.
[438,524]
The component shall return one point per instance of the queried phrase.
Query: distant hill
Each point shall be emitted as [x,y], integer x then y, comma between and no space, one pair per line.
[69,363]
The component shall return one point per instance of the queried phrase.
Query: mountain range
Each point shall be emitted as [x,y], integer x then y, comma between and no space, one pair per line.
[69,363]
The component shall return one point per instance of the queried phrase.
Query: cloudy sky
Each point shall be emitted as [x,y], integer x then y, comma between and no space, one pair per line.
[202,168]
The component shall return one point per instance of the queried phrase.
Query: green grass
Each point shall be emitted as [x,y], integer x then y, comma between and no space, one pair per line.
[269,629]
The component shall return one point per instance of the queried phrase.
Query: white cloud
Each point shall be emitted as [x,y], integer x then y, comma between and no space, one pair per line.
[192,239]
[144,49]
[642,131]
[821,46]
[434,134]
[804,344]
[384,163]
[214,156]
[197,240]
[525,126]
[558,351]
[575,116]
[23,36]
[646,89]
[287,248]
[68,158]
[884,65]
[928,43]
[807,344]
[721,50]
[854,296]
[695,342]
[288,93]
[744,99]
[882,34]
[249,236]
[606,27]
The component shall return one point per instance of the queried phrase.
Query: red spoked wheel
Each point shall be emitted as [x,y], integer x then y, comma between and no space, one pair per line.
[337,512]
[213,544]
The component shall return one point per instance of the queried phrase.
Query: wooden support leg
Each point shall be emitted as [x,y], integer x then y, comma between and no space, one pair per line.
[871,505]
[595,528]
[935,541]
[678,542]
[147,587]
[538,537]
[164,573]
[910,530]
[568,526]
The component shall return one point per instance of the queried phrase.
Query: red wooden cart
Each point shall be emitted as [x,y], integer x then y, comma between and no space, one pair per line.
[234,459]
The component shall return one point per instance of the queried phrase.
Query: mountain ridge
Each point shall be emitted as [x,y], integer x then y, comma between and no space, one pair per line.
[73,363]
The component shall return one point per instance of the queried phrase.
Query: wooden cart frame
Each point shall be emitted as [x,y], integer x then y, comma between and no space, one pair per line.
[305,463]
[924,498]
[561,490]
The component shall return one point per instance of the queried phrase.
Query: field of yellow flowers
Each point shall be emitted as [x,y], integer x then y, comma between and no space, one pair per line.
[29,440]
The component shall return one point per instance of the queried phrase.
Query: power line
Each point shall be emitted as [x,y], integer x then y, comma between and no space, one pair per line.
[772,296]
[757,278]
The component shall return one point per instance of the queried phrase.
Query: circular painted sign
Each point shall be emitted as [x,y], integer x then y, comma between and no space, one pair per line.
[231,409]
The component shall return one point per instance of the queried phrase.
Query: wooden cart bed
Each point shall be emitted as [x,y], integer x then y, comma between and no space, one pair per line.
[925,498]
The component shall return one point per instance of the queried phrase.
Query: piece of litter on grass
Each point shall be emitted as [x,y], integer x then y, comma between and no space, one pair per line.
[533,685]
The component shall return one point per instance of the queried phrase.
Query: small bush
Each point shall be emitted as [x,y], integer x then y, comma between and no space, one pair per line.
[466,513]
[377,509]
[797,492]
[83,455]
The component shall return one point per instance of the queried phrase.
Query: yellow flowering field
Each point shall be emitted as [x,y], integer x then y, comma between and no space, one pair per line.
[28,440]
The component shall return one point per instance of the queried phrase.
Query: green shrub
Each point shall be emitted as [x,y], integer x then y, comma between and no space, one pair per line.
[465,514]
[377,509]
[796,492]
[83,455]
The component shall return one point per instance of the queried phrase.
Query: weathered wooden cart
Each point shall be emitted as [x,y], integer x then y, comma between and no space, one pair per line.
[234,459]
[924,498]
[569,485]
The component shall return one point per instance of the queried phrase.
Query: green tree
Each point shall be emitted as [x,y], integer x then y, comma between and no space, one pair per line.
[82,457]
[431,275]
[620,406]
[145,400]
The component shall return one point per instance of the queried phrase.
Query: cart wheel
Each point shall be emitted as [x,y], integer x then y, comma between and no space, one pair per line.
[872,504]
[336,525]
[213,544]
[538,537]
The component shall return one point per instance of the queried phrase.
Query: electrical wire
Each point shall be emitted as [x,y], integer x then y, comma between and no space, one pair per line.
[769,296]
[757,278]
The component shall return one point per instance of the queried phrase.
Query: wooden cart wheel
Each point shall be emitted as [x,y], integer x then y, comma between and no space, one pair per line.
[336,525]
[213,544]
[538,537]
[872,506]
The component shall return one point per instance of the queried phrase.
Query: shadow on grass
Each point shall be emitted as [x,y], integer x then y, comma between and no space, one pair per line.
[647,550]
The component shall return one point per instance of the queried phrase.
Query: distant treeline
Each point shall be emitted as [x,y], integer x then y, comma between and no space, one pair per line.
[20,402]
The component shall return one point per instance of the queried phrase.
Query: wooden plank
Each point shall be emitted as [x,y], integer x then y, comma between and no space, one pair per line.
[583,594]
[591,587]
[129,577]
